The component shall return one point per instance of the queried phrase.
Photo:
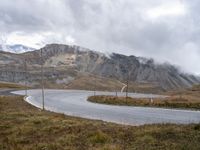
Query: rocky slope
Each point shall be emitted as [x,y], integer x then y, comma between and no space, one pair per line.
[65,63]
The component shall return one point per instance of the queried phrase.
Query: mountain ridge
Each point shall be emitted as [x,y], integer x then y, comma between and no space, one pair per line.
[117,66]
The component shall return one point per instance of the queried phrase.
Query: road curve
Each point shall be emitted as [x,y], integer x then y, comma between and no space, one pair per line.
[124,86]
[74,103]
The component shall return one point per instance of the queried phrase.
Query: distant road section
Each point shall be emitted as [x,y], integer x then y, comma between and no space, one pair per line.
[124,86]
[6,92]
[74,103]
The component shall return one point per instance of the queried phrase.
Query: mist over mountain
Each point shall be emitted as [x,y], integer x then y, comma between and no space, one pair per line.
[16,48]
[66,63]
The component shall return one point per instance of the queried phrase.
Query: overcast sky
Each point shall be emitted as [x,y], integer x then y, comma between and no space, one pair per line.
[166,30]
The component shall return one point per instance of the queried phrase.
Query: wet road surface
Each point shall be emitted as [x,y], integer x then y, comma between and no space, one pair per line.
[74,103]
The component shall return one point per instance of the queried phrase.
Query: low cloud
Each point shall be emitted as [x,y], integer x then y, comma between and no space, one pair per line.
[164,30]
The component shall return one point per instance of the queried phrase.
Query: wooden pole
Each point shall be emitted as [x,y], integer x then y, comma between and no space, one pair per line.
[42,76]
[26,88]
[95,82]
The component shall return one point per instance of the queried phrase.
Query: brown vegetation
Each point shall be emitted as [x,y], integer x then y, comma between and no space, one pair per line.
[23,127]
[189,98]
[5,85]
[88,82]
[91,82]
[171,102]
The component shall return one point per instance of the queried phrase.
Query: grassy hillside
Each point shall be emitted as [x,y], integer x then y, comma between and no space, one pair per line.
[90,82]
[144,88]
[196,87]
[5,85]
[24,127]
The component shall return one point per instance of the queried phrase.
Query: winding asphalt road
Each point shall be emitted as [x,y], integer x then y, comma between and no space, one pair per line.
[74,103]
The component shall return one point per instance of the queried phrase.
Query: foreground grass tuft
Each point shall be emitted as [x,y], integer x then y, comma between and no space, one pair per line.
[24,127]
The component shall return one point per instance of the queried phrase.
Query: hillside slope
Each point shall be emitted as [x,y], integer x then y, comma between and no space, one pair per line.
[63,62]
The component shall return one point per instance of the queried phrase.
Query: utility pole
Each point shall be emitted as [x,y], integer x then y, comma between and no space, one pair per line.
[95,82]
[26,88]
[42,76]
[115,88]
[113,77]
[116,91]
[127,82]
[127,85]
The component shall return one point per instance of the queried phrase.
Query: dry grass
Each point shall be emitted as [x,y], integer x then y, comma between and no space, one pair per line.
[6,85]
[90,82]
[24,127]
[145,88]
[189,99]
[87,82]
[171,102]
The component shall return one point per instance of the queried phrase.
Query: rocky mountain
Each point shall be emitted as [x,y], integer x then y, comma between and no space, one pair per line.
[16,48]
[63,64]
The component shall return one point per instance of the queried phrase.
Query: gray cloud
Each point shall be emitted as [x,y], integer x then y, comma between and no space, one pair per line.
[113,25]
